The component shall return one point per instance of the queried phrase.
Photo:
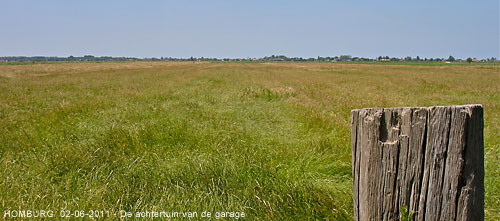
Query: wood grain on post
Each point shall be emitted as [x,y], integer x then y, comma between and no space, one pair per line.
[429,160]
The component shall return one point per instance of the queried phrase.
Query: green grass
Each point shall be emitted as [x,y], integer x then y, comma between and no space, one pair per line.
[268,139]
[425,63]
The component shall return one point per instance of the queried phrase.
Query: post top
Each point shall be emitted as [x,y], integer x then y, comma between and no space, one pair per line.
[473,106]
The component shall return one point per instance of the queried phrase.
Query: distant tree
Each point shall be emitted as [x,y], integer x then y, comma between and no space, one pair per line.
[345,57]
[418,58]
[469,60]
[408,58]
[451,59]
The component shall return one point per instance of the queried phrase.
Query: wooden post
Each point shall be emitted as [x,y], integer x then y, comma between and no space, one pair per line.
[428,161]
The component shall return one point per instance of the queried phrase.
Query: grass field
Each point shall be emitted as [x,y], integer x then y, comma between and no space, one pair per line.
[268,139]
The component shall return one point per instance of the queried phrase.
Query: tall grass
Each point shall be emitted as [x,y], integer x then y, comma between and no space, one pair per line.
[268,139]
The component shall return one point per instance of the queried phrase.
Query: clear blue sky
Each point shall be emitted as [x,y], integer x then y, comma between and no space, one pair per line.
[258,28]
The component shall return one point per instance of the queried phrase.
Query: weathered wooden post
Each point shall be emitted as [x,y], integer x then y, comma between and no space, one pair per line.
[429,161]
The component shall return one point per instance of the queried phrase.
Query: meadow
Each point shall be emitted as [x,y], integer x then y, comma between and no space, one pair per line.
[271,140]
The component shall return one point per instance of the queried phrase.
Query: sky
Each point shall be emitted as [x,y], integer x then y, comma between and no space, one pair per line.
[242,29]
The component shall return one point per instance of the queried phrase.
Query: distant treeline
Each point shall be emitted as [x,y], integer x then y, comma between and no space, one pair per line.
[341,58]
